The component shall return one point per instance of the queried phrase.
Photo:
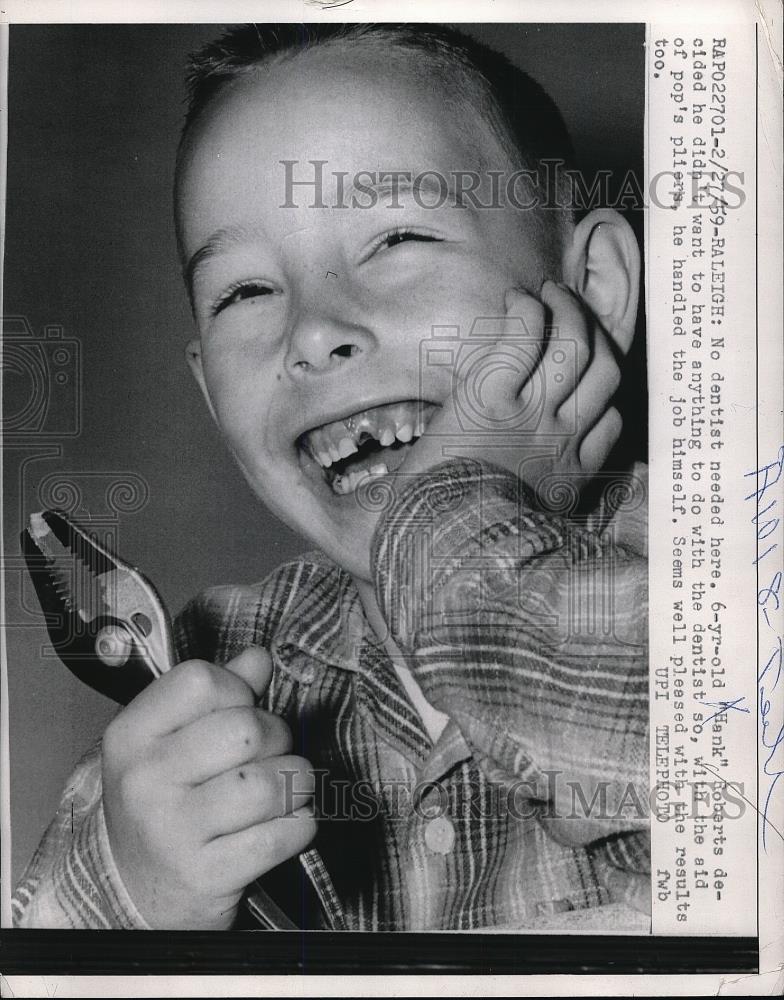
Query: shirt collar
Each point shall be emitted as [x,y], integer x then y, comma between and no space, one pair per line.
[325,619]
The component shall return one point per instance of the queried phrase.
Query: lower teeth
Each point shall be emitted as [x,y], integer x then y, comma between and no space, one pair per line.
[349,482]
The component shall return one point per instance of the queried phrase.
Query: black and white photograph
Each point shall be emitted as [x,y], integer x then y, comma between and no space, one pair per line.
[326,381]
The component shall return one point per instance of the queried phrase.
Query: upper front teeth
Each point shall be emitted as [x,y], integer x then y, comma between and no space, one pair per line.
[395,421]
[346,447]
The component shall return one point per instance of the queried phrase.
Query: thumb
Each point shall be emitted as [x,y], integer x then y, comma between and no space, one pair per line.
[254,666]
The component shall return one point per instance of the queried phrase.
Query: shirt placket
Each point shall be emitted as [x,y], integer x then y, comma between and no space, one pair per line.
[429,829]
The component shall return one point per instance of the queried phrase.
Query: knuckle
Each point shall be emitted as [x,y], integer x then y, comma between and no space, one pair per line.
[533,312]
[301,772]
[119,742]
[276,733]
[564,358]
[613,377]
[200,680]
[114,740]
[269,788]
[529,311]
[245,730]
[134,786]
[582,352]
[298,763]
[615,421]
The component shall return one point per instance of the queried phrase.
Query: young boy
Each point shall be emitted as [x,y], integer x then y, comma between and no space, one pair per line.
[373,343]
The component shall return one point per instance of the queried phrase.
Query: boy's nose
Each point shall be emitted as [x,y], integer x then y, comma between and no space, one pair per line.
[320,343]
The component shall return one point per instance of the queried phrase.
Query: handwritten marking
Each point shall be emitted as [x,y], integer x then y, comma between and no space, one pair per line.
[766,477]
[765,710]
[776,465]
[772,590]
[723,708]
[737,786]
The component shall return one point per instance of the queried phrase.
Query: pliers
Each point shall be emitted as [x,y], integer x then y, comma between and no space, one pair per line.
[109,626]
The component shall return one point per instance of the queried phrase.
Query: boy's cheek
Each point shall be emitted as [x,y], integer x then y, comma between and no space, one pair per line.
[240,405]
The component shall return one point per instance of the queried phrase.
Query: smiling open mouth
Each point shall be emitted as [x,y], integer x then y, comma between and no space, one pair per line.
[371,442]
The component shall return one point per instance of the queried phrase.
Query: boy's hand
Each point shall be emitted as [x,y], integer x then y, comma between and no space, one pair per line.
[196,796]
[533,411]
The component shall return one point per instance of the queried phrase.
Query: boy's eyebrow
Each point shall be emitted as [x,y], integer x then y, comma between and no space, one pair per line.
[219,241]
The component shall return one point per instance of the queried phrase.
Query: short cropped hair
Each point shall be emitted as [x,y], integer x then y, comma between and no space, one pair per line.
[516,109]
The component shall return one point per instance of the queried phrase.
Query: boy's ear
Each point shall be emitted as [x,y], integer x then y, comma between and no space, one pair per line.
[193,355]
[602,265]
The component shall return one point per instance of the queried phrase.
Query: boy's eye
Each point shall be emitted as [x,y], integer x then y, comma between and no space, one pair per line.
[239,292]
[397,236]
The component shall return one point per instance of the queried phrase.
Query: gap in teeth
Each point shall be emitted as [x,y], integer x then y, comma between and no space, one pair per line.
[360,460]
[372,459]
[387,425]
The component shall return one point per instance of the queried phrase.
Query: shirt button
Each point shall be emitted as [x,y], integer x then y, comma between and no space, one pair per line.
[440,835]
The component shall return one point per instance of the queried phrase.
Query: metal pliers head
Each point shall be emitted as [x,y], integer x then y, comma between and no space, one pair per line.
[101,613]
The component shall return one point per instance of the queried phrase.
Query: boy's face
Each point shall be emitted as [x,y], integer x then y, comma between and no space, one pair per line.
[308,316]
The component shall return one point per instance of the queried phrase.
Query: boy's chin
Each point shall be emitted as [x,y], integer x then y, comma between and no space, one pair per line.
[341,529]
[347,552]
[339,526]
[349,538]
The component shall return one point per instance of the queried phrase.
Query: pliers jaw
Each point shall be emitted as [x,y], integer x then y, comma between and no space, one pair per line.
[97,609]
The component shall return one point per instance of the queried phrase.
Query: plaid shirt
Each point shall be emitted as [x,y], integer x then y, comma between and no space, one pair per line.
[528,630]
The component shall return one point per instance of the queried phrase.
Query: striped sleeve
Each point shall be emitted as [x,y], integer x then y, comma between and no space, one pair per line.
[72,880]
[530,631]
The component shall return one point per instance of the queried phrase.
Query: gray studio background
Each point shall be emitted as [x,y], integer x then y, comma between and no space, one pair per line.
[90,261]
